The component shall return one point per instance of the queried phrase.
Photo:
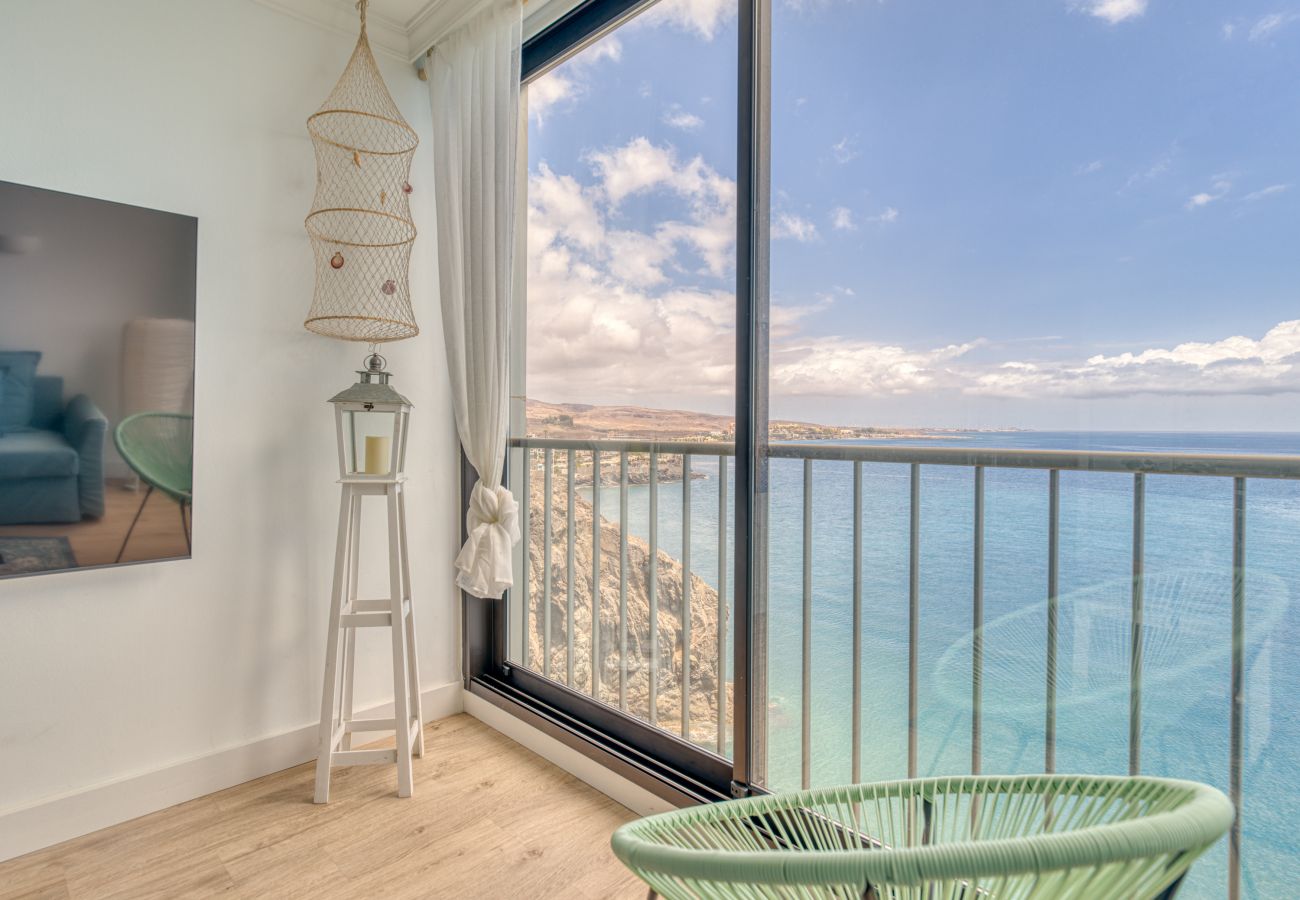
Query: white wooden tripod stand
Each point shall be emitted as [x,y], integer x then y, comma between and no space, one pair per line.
[348,612]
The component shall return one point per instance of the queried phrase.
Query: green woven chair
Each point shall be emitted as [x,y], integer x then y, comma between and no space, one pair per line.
[159,447]
[1037,836]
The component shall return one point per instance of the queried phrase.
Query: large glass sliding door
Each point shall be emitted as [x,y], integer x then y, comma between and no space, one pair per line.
[1004,478]
[1033,337]
[622,440]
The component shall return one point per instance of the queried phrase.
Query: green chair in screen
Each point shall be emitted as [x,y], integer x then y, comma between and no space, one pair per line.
[159,447]
[1022,837]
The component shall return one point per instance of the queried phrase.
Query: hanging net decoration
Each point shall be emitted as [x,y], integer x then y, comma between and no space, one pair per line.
[360,221]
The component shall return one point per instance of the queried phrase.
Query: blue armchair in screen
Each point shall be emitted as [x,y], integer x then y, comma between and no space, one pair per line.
[51,458]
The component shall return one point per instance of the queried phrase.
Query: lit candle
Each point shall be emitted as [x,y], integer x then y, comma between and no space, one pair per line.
[378,450]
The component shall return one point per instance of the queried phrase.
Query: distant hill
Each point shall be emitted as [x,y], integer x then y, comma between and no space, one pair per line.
[581,421]
[577,420]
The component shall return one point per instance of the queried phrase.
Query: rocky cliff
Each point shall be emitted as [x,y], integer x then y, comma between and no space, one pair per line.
[706,616]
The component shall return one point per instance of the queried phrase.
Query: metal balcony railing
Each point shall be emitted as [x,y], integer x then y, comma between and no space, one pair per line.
[596,451]
[1240,468]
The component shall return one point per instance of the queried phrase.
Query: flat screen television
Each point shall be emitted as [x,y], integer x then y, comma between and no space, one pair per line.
[97,318]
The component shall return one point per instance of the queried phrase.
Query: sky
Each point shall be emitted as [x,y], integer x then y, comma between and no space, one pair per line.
[1047,214]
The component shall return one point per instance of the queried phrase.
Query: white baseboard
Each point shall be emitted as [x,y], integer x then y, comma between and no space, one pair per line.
[71,815]
[631,795]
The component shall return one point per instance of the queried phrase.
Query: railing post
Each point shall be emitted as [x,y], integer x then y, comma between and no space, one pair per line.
[570,524]
[857,622]
[548,463]
[1136,626]
[595,574]
[913,615]
[686,596]
[805,725]
[1053,613]
[652,589]
[977,630]
[526,526]
[622,580]
[1238,686]
[722,606]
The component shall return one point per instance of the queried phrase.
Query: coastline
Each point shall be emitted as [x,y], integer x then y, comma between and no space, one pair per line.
[575,421]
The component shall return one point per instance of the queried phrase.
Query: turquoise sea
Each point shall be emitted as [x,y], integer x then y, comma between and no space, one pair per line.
[1188,586]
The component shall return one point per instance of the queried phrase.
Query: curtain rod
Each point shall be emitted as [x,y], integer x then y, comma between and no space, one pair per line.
[420,67]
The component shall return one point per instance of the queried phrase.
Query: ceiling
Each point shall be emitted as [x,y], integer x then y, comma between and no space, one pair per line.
[407,28]
[399,10]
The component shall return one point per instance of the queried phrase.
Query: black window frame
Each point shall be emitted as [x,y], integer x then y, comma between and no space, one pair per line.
[663,763]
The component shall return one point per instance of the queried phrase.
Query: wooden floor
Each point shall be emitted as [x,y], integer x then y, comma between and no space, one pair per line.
[95,542]
[489,819]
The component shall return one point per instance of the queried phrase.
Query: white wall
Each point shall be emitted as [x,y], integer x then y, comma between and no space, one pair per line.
[198,107]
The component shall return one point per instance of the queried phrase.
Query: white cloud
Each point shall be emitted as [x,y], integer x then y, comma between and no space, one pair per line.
[1089,168]
[844,150]
[1267,26]
[637,259]
[1263,193]
[600,297]
[1220,189]
[837,366]
[790,225]
[676,117]
[1114,11]
[701,17]
[841,366]
[1160,167]
[568,82]
[1231,366]
[570,210]
[842,219]
[547,91]
[635,167]
[1261,29]
[609,47]
[618,310]
[712,236]
[641,166]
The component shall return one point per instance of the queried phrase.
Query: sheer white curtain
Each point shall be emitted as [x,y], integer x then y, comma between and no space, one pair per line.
[474,84]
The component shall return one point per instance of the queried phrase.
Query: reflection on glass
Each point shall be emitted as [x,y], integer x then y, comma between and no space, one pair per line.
[980,260]
[629,326]
[96,382]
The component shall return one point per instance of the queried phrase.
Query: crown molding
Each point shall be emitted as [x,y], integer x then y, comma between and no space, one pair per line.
[387,36]
[436,20]
[440,18]
[409,40]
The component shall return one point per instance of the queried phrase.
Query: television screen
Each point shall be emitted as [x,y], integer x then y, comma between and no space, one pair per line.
[97,303]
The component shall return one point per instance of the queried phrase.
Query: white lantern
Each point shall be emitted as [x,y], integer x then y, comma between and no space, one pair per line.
[371,421]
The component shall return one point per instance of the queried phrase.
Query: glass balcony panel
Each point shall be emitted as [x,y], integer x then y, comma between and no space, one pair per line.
[625,374]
